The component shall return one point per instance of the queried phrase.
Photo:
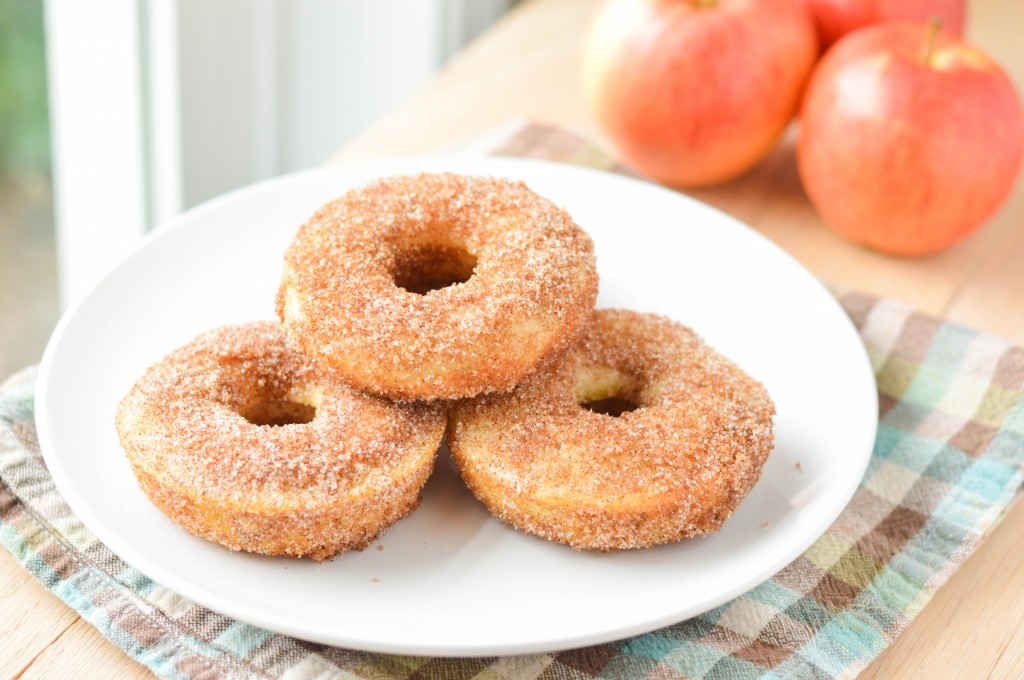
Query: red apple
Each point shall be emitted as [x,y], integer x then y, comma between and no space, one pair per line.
[909,138]
[694,92]
[836,18]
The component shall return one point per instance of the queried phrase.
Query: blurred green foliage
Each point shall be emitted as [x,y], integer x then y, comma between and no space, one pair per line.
[24,122]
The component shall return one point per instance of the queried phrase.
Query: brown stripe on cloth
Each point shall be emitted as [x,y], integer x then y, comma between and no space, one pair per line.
[973,438]
[203,623]
[782,631]
[885,404]
[892,534]
[867,509]
[858,306]
[63,562]
[9,505]
[762,654]
[916,337]
[800,575]
[134,622]
[589,660]
[725,639]
[1009,372]
[834,593]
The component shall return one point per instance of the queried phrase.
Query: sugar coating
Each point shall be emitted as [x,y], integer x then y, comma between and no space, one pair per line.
[530,293]
[675,467]
[313,488]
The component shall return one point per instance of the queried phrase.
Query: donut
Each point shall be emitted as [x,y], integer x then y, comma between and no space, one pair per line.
[437,286]
[239,441]
[640,435]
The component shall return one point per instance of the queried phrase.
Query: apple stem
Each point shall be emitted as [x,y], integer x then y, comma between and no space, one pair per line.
[934,26]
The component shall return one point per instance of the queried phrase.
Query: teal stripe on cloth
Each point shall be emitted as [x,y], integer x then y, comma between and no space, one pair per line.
[775,595]
[694,661]
[241,638]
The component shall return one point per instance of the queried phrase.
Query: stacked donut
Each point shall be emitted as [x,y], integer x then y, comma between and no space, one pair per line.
[415,306]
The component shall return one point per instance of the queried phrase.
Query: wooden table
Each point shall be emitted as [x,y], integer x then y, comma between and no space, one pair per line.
[527,67]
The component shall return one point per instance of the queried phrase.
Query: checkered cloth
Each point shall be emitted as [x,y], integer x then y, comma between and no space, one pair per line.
[948,461]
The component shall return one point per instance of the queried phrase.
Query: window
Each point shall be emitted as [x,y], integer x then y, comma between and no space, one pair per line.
[28,273]
[157,106]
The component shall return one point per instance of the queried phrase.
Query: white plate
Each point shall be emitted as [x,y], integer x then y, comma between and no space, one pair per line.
[449,579]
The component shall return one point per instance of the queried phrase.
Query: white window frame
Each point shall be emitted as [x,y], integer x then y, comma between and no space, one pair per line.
[96,120]
[123,144]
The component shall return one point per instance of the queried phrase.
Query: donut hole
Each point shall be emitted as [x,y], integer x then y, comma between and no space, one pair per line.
[607,391]
[423,267]
[611,406]
[278,412]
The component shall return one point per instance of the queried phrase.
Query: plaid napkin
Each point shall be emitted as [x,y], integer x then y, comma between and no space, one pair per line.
[948,461]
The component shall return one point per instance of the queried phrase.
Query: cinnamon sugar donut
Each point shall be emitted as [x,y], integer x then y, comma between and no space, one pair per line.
[682,439]
[238,441]
[437,286]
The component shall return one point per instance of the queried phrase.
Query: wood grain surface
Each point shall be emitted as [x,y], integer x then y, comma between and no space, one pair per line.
[527,67]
